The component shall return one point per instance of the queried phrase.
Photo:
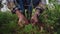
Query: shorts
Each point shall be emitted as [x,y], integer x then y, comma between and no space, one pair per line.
[26,4]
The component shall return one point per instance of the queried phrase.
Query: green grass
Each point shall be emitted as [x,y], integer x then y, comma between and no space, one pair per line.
[51,18]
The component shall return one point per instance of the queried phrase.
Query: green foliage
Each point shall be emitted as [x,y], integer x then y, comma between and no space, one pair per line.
[52,17]
[8,22]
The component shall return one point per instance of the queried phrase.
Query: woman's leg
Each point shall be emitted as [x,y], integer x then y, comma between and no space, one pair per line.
[22,19]
[38,10]
[20,12]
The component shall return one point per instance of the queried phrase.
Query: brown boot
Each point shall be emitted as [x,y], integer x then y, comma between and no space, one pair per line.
[22,20]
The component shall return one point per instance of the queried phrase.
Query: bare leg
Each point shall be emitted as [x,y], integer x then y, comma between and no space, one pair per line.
[39,9]
[34,18]
[22,20]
